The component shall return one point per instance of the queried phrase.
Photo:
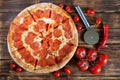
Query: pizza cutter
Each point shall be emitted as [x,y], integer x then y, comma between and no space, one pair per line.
[90,36]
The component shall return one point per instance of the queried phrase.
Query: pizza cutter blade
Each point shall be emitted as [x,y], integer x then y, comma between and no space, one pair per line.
[90,36]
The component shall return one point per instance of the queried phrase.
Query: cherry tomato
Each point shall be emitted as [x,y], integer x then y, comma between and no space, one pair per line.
[76,18]
[95,69]
[90,11]
[67,70]
[61,5]
[56,74]
[92,54]
[79,27]
[67,8]
[102,59]
[82,65]
[12,65]
[80,53]
[98,21]
[18,69]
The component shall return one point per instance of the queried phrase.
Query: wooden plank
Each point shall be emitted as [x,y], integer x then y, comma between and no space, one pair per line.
[15,5]
[108,10]
[99,6]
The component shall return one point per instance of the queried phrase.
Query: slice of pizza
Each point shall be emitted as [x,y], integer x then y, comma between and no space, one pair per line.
[42,38]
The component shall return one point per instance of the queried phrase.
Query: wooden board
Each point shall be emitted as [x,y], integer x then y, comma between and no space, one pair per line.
[108,10]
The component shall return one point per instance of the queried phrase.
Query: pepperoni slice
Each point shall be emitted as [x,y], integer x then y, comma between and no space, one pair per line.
[30,37]
[41,25]
[53,15]
[55,25]
[57,32]
[49,35]
[22,50]
[34,45]
[42,62]
[43,53]
[18,29]
[18,44]
[27,20]
[65,50]
[58,59]
[27,56]
[44,44]
[55,45]
[62,52]
[16,36]
[30,59]
[36,29]
[23,26]
[51,60]
[66,25]
[47,13]
[68,34]
[39,13]
[36,52]
[59,18]
[50,42]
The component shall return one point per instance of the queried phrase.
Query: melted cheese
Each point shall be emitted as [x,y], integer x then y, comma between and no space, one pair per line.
[50,21]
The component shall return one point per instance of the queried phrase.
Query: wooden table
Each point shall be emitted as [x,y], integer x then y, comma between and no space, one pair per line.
[108,10]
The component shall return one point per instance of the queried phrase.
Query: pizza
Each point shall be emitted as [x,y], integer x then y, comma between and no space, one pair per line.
[42,38]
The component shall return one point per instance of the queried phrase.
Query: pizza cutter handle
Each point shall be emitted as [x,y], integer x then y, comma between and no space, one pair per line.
[77,7]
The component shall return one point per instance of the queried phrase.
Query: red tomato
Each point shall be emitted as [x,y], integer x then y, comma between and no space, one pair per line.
[79,27]
[95,69]
[102,59]
[12,65]
[98,21]
[56,74]
[67,8]
[90,11]
[76,18]
[82,65]
[67,70]
[18,69]
[80,53]
[92,54]
[61,5]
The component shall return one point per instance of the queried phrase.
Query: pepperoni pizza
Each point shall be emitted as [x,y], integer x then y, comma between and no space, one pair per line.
[42,38]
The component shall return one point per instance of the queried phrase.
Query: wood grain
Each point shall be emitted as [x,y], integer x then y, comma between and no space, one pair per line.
[108,10]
